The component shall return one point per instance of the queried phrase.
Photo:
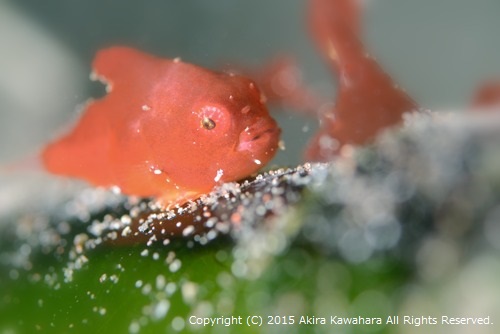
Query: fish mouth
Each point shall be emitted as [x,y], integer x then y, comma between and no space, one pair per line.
[262,136]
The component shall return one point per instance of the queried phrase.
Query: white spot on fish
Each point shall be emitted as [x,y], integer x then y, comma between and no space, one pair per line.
[217,177]
[257,162]
[245,109]
[145,107]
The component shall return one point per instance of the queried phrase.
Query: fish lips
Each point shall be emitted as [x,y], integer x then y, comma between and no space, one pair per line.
[261,137]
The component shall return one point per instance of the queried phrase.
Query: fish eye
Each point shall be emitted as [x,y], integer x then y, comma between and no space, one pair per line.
[208,123]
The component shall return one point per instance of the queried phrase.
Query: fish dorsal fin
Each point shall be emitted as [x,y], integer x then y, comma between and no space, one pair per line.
[120,65]
[329,20]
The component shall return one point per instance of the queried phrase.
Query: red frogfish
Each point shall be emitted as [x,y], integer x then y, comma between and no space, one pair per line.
[166,129]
